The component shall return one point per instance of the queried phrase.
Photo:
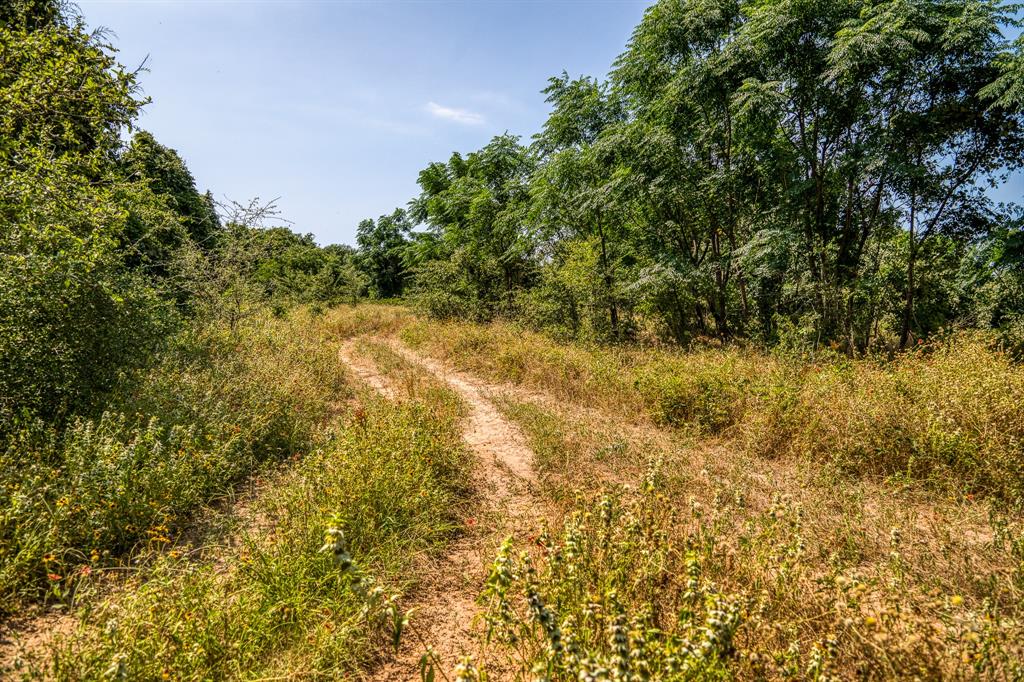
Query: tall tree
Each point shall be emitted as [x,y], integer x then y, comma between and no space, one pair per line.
[382,245]
[477,206]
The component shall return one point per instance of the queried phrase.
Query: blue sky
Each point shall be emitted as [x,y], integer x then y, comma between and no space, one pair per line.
[336,106]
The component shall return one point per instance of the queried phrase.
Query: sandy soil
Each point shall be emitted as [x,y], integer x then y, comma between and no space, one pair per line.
[446,615]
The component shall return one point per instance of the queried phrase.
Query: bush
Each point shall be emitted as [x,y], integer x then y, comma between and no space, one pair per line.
[705,389]
[386,488]
[215,407]
[70,324]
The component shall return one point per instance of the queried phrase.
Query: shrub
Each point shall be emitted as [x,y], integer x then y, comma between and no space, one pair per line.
[612,598]
[705,389]
[175,437]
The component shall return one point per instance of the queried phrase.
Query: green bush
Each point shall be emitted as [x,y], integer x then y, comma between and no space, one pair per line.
[389,485]
[175,437]
[699,389]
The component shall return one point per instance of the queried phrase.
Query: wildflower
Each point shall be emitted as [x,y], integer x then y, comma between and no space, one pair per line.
[956,600]
[465,671]
[334,542]
[49,558]
[53,576]
[85,570]
[471,521]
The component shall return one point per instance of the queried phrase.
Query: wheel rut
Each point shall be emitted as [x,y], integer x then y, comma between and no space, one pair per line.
[445,612]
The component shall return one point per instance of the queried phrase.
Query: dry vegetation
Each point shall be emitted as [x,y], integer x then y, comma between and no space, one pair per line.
[720,513]
[761,516]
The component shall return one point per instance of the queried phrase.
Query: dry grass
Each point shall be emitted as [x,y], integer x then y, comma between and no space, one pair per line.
[727,514]
[950,414]
[346,322]
[863,517]
[831,575]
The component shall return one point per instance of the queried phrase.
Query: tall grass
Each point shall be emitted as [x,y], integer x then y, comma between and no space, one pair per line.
[272,603]
[176,436]
[950,413]
[251,591]
[719,566]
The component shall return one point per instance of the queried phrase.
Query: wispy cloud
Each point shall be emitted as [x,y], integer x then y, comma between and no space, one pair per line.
[463,116]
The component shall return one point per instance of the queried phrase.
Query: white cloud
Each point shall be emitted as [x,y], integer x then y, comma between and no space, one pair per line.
[462,116]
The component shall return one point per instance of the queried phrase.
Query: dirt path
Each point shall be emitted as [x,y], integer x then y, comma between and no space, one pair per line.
[22,639]
[364,369]
[446,613]
[488,433]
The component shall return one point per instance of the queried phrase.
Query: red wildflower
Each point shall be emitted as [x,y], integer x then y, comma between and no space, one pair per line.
[53,576]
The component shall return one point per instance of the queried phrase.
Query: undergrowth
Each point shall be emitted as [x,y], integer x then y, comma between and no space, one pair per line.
[645,584]
[175,437]
[275,603]
[834,578]
[949,414]
[304,578]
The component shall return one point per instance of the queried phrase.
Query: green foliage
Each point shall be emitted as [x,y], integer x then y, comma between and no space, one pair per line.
[748,168]
[477,208]
[615,597]
[382,245]
[705,395]
[173,437]
[149,241]
[71,319]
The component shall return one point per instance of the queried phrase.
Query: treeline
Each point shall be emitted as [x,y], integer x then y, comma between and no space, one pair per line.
[143,371]
[107,247]
[803,173]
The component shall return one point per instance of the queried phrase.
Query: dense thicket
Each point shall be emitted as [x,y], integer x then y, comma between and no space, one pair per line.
[803,172]
[130,389]
[105,245]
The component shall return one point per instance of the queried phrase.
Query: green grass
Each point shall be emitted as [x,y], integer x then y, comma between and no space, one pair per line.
[174,438]
[250,592]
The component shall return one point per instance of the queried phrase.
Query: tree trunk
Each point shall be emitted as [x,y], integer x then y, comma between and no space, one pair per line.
[613,311]
[908,308]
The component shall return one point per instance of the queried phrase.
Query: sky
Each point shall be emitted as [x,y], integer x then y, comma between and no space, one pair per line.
[335,107]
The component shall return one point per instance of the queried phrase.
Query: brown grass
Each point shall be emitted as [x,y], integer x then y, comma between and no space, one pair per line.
[865,513]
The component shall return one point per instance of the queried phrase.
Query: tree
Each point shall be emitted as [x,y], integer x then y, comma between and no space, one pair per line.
[149,242]
[223,284]
[71,318]
[477,207]
[382,245]
[822,123]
